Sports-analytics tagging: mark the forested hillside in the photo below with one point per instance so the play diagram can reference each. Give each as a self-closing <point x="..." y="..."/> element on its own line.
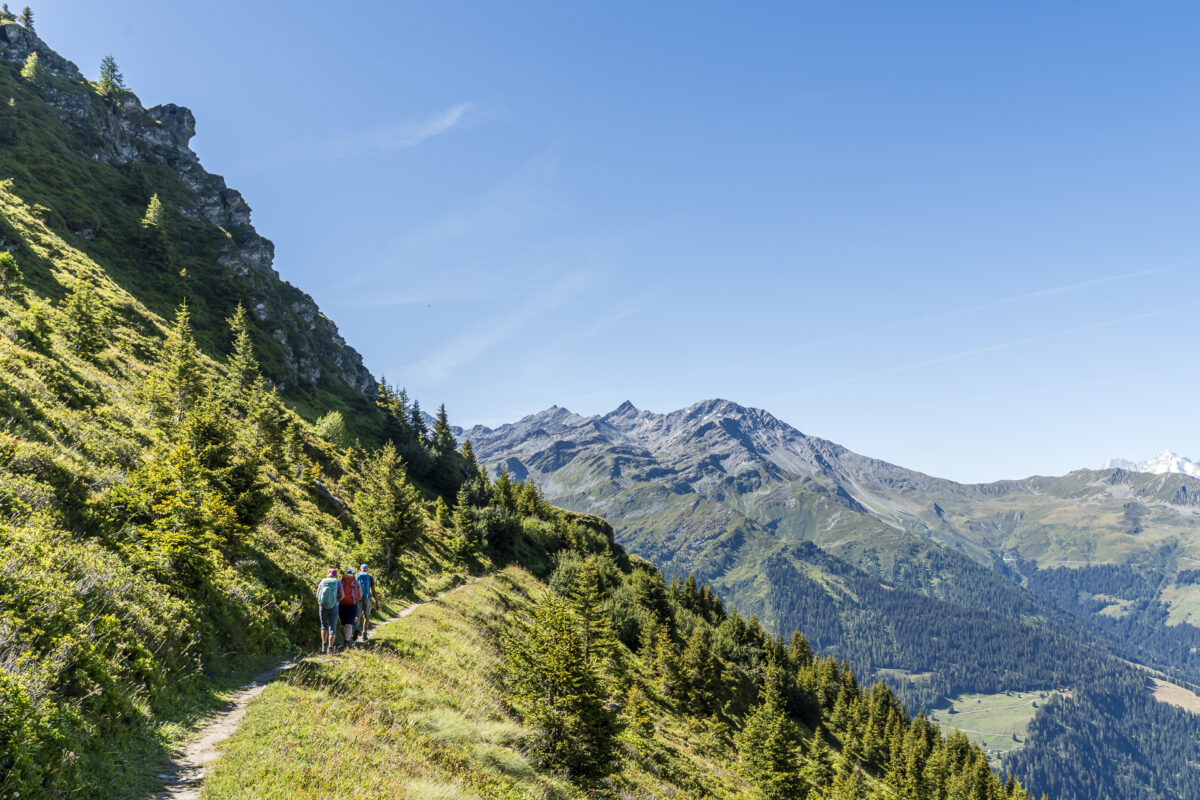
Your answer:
<point x="918" y="581"/>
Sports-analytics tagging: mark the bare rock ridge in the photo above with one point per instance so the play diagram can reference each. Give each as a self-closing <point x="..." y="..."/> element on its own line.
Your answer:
<point x="123" y="133"/>
<point x="729" y="458"/>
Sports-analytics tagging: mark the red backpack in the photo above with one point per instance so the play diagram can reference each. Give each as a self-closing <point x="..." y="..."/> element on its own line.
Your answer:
<point x="350" y="594"/>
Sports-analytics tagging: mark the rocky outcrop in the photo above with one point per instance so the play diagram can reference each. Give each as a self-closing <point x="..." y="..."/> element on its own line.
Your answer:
<point x="120" y="131"/>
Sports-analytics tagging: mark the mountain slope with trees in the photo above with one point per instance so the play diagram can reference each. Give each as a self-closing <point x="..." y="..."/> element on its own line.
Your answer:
<point x="939" y="588"/>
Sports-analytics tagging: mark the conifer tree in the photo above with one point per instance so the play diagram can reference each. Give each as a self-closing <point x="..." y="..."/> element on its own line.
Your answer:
<point x="443" y="438"/>
<point x="11" y="278"/>
<point x="557" y="692"/>
<point x="818" y="766"/>
<point x="394" y="406"/>
<point x="767" y="747"/>
<point x="638" y="716"/>
<point x="111" y="80"/>
<point x="799" y="651"/>
<point x="31" y="70"/>
<point x="332" y="428"/>
<point x="666" y="663"/>
<point x="177" y="383"/>
<point x="587" y="596"/>
<point x="417" y="422"/>
<point x="27" y="18"/>
<point x="650" y="594"/>
<point x="468" y="454"/>
<point x="441" y="513"/>
<point x="155" y="244"/>
<point x="243" y="367"/>
<point x="388" y="506"/>
<point x="504" y="492"/>
<point x="701" y="671"/>
<point x="85" y="318"/>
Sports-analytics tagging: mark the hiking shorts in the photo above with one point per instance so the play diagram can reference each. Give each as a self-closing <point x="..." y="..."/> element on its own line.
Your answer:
<point x="329" y="618"/>
<point x="364" y="607"/>
<point x="348" y="613"/>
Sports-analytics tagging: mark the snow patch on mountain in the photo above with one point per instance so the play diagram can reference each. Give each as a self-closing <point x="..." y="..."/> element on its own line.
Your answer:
<point x="1163" y="462"/>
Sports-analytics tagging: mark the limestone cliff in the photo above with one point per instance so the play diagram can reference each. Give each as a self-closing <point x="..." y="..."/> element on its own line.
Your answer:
<point x="118" y="133"/>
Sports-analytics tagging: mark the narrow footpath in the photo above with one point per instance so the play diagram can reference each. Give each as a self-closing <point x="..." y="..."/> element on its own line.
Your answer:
<point x="184" y="774"/>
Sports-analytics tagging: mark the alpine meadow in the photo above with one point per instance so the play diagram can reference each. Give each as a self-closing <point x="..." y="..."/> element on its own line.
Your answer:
<point x="237" y="563"/>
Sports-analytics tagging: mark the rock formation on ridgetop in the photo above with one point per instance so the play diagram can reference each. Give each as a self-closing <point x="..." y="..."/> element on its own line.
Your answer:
<point x="117" y="130"/>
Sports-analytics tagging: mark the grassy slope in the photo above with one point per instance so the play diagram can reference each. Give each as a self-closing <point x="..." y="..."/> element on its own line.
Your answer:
<point x="72" y="427"/>
<point x="419" y="715"/>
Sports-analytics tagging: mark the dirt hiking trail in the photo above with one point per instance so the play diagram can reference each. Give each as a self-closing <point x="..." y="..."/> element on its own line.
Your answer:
<point x="183" y="775"/>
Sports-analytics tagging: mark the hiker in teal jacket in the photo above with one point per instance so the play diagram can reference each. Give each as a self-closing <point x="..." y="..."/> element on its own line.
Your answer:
<point x="329" y="596"/>
<point x="366" y="588"/>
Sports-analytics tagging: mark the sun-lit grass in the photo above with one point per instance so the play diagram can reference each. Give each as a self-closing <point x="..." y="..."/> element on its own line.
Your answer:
<point x="998" y="723"/>
<point x="418" y="714"/>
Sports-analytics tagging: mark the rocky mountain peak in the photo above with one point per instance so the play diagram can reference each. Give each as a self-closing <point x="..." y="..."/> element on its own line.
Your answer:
<point x="116" y="131"/>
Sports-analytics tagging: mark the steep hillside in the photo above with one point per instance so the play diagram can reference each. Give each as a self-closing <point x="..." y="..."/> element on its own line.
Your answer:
<point x="676" y="699"/>
<point x="89" y="160"/>
<point x="164" y="509"/>
<point x="941" y="589"/>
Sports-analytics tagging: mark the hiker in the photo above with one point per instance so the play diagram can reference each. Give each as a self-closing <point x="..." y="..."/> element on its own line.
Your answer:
<point x="348" y="606"/>
<point x="366" y="589"/>
<point x="329" y="596"/>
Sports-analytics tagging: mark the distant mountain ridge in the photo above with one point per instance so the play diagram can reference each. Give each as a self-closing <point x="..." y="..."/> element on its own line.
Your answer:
<point x="808" y="487"/>
<point x="937" y="587"/>
<point x="1163" y="462"/>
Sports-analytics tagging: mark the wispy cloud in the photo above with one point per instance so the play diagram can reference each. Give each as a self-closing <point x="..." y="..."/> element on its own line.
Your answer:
<point x="441" y="362"/>
<point x="1039" y="294"/>
<point x="529" y="194"/>
<point x="1001" y="346"/>
<point x="399" y="137"/>
<point x="378" y="142"/>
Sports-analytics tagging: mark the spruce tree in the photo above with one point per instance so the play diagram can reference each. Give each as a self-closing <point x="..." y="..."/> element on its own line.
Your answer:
<point x="332" y="428"/>
<point x="388" y="507"/>
<point x="27" y="18"/>
<point x="504" y="492"/>
<point x="243" y="367"/>
<point x="556" y="691"/>
<point x="155" y="245"/>
<point x="111" y="80"/>
<point x="666" y="663"/>
<point x="441" y="513"/>
<point x="768" y="747"/>
<point x="177" y="383"/>
<point x="85" y="315"/>
<point x="818" y="767"/>
<point x="468" y="454"/>
<point x="701" y="671"/>
<point x="587" y="597"/>
<point x="417" y="423"/>
<point x="638" y="716"/>
<point x="11" y="278"/>
<point x="31" y="70"/>
<point x="443" y="438"/>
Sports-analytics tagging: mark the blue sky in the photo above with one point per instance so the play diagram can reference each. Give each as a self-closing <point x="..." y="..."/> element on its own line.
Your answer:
<point x="959" y="237"/>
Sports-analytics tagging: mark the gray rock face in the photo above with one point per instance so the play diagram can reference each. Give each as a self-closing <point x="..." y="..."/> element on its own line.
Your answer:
<point x="179" y="122"/>
<point x="121" y="131"/>
<point x="749" y="463"/>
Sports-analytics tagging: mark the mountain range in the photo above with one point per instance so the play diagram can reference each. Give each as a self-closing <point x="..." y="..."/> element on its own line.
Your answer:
<point x="939" y="588"/>
<point x="1163" y="462"/>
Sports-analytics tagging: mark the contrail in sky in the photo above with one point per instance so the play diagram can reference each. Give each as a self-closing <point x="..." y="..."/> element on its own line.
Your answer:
<point x="1002" y="346"/>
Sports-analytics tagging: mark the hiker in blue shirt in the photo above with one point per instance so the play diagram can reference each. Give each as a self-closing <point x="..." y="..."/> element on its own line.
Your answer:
<point x="366" y="589"/>
<point x="329" y="595"/>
